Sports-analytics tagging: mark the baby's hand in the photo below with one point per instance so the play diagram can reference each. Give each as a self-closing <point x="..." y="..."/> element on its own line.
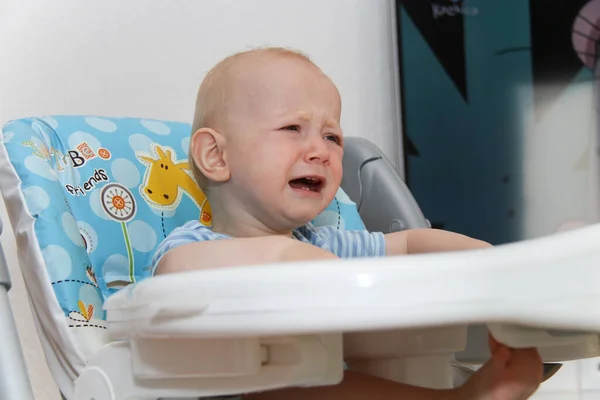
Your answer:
<point x="511" y="374"/>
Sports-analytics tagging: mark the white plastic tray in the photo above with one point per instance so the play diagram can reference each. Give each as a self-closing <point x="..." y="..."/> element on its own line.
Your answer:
<point x="549" y="283"/>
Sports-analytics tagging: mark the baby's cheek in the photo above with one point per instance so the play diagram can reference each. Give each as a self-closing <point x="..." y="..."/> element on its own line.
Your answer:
<point x="336" y="167"/>
<point x="278" y="161"/>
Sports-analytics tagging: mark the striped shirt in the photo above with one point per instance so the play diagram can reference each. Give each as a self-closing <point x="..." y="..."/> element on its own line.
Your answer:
<point x="344" y="244"/>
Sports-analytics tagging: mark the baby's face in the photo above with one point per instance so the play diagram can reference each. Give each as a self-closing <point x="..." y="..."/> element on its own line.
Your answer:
<point x="285" y="144"/>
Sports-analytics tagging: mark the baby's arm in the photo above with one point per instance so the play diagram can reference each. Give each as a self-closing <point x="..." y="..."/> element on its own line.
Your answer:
<point x="508" y="375"/>
<point x="415" y="241"/>
<point x="274" y="249"/>
<point x="356" y="386"/>
<point x="235" y="252"/>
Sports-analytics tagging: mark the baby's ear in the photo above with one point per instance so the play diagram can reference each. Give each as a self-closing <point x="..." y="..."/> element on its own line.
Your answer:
<point x="207" y="147"/>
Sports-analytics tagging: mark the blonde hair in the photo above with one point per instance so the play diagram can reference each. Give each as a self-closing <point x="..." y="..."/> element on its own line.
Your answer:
<point x="213" y="93"/>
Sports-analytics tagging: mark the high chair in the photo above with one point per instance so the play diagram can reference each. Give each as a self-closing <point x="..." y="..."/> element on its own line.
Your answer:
<point x="90" y="198"/>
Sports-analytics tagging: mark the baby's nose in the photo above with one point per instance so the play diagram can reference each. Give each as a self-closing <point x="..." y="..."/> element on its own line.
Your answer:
<point x="318" y="151"/>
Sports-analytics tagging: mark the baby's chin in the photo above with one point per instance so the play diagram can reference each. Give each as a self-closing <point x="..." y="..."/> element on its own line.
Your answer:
<point x="302" y="211"/>
<point x="302" y="218"/>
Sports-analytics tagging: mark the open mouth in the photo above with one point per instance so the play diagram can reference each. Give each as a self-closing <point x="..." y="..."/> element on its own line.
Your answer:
<point x="309" y="183"/>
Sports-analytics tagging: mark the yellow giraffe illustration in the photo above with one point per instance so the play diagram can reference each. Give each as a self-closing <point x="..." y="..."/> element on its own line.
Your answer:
<point x="165" y="181"/>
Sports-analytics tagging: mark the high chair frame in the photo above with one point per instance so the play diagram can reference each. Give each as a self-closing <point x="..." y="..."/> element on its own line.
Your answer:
<point x="14" y="379"/>
<point x="228" y="336"/>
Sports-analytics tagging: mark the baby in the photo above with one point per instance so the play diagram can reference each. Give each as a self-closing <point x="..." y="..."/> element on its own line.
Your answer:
<point x="267" y="150"/>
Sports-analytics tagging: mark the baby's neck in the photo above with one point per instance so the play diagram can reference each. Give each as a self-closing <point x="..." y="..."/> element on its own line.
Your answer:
<point x="239" y="223"/>
<point x="234" y="218"/>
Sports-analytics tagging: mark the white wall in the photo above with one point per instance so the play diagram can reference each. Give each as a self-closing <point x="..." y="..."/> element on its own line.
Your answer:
<point x="560" y="171"/>
<point x="145" y="58"/>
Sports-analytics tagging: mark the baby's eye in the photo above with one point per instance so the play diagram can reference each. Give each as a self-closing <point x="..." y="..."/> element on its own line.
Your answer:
<point x="333" y="138"/>
<point x="295" y="128"/>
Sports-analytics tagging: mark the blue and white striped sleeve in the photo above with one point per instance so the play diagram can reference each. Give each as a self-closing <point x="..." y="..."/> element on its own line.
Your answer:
<point x="192" y="232"/>
<point x="346" y="244"/>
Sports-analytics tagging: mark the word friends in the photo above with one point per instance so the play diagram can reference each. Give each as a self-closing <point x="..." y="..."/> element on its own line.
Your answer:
<point x="81" y="190"/>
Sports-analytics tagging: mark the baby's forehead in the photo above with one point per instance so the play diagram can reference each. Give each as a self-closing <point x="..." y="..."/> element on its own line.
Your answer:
<point x="278" y="77"/>
<point x="257" y="79"/>
<point x="265" y="68"/>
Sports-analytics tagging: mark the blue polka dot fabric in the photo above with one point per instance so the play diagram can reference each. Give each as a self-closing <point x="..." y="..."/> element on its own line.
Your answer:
<point x="104" y="192"/>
